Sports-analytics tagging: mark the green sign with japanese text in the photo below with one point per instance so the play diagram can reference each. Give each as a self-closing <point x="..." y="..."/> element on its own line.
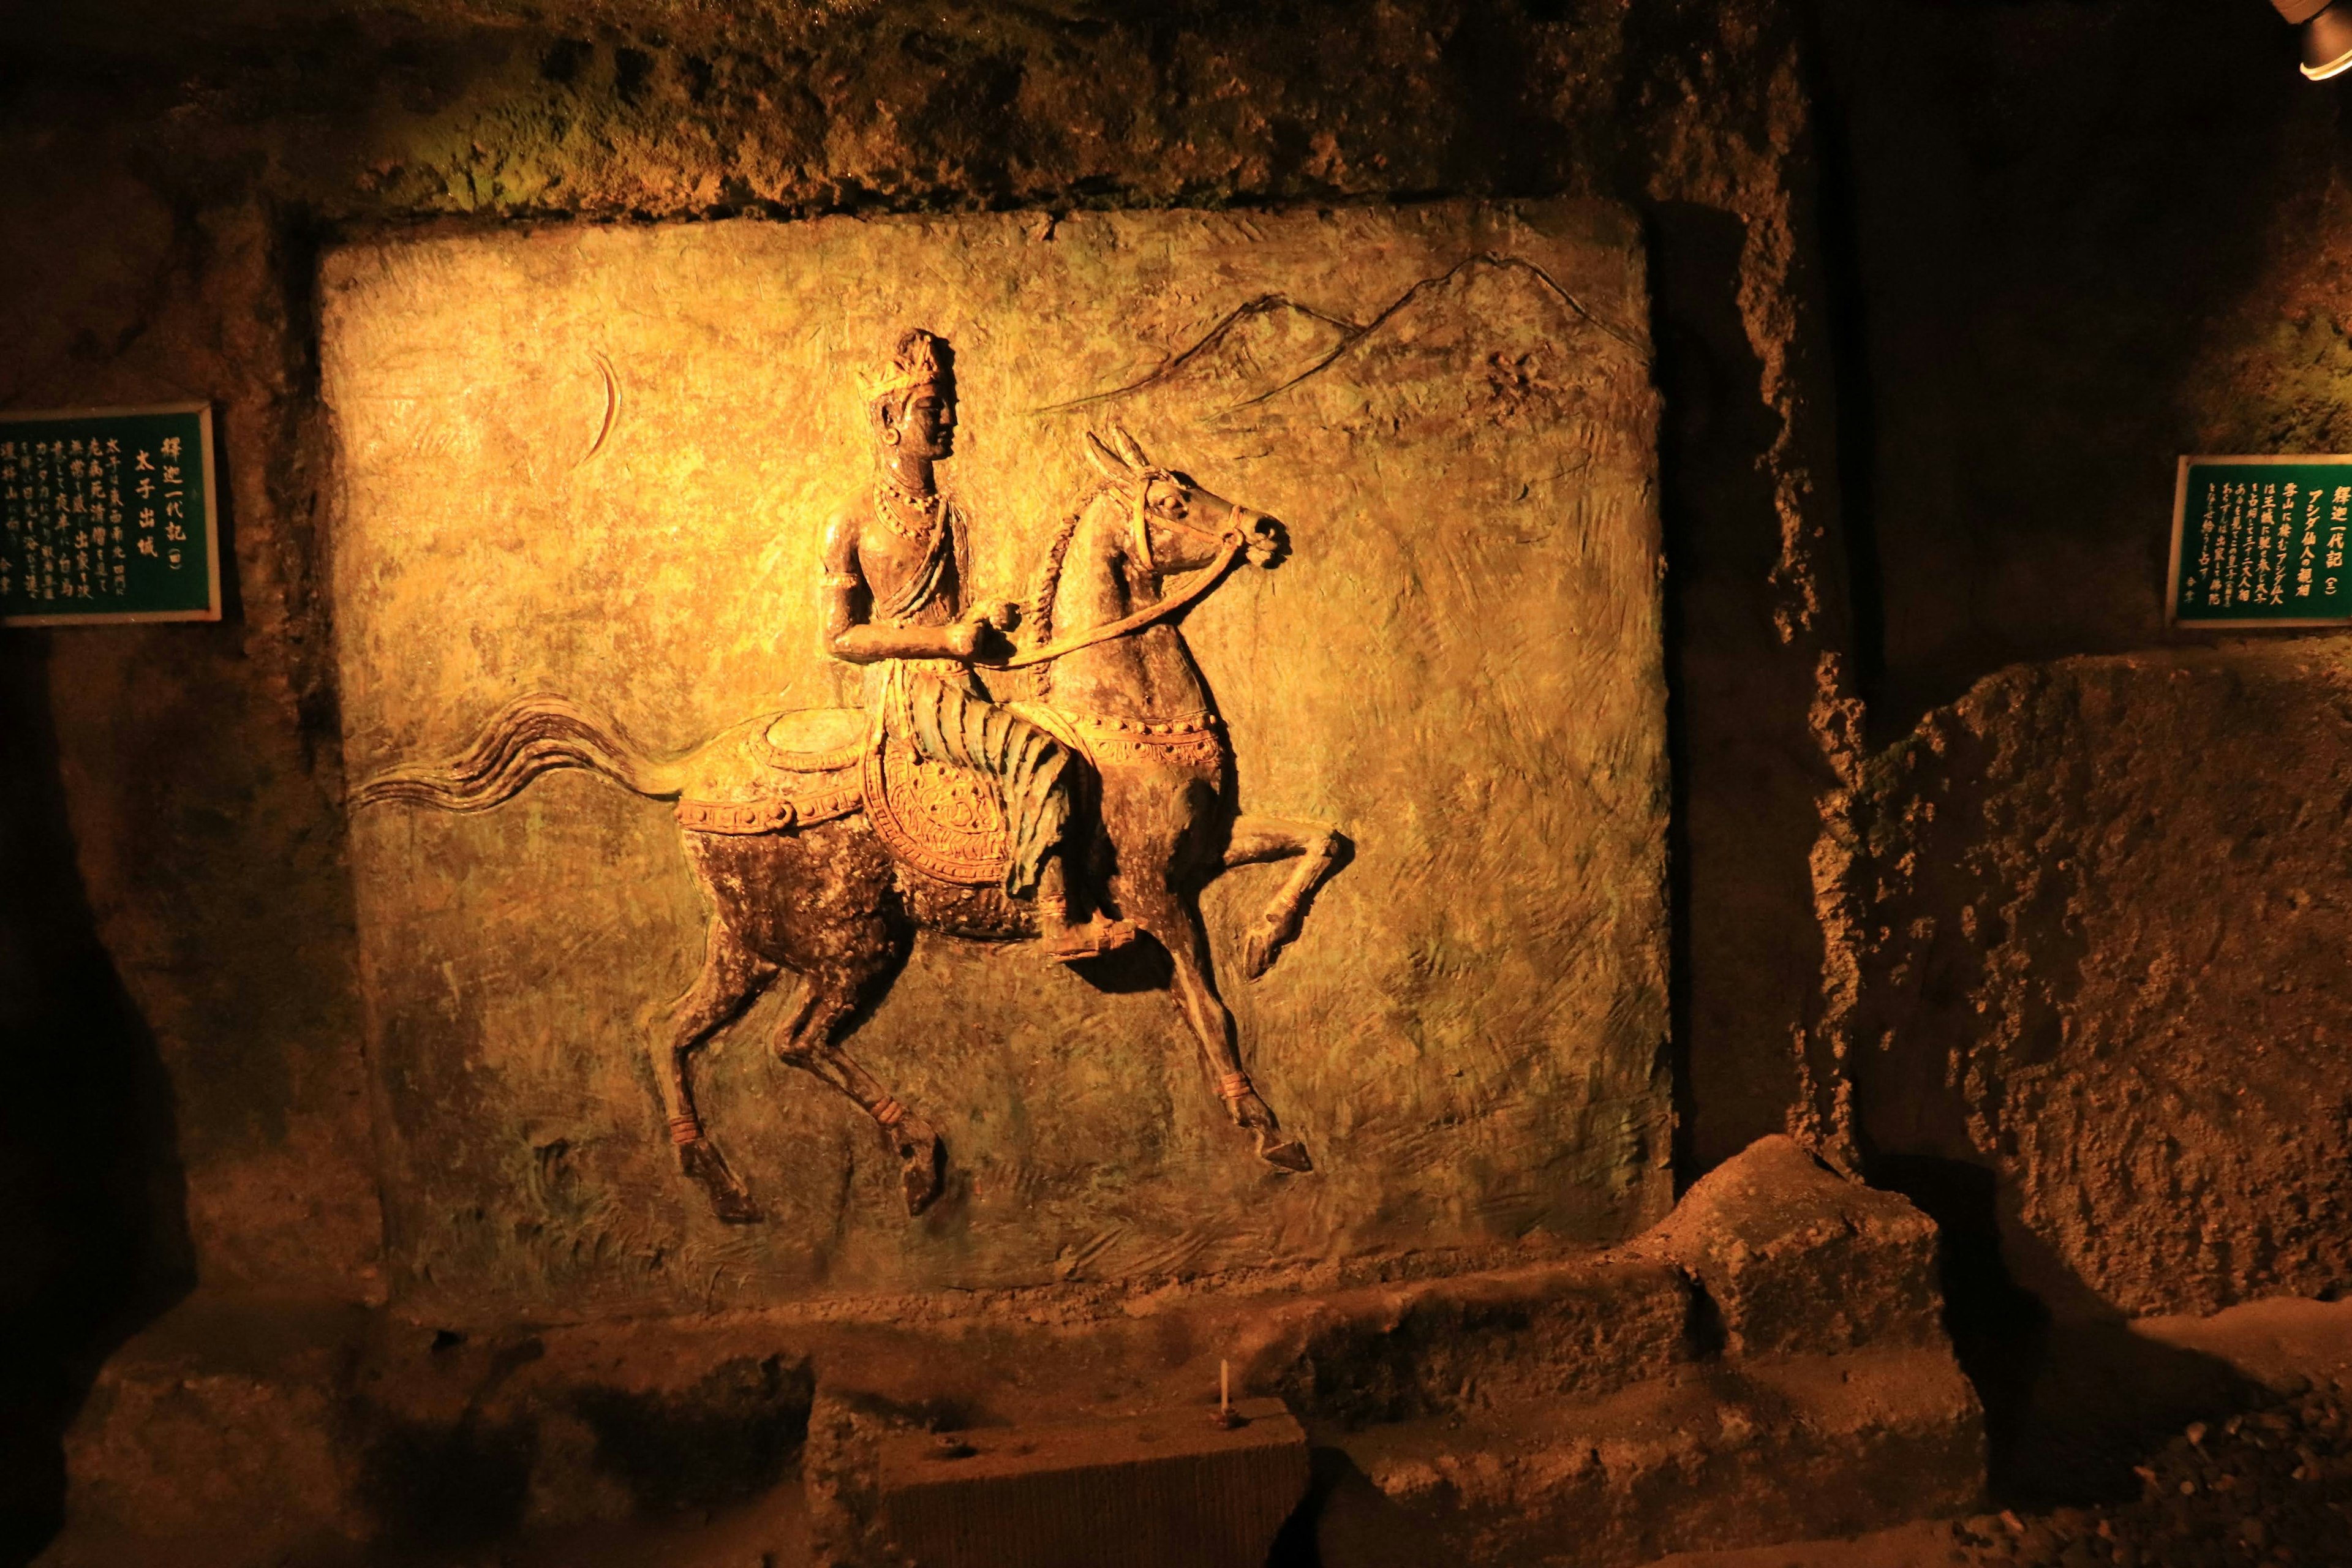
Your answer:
<point x="2260" y="541"/>
<point x="109" y="514"/>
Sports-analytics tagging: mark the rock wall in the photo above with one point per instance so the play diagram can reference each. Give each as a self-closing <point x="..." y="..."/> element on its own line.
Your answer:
<point x="2035" y="250"/>
<point x="2109" y="961"/>
<point x="184" y="931"/>
<point x="2085" y="240"/>
<point x="2084" y="907"/>
<point x="204" y="167"/>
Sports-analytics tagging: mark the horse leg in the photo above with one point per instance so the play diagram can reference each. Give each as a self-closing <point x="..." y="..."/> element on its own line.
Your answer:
<point x="1319" y="849"/>
<point x="731" y="976"/>
<point x="806" y="1041"/>
<point x="1176" y="928"/>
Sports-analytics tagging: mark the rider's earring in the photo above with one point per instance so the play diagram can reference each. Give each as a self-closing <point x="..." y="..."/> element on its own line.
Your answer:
<point x="890" y="436"/>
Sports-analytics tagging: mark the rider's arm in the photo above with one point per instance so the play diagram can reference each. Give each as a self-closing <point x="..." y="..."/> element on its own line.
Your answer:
<point x="848" y="634"/>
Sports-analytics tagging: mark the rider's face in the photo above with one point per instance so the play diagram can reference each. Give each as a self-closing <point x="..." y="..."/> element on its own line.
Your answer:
<point x="929" y="429"/>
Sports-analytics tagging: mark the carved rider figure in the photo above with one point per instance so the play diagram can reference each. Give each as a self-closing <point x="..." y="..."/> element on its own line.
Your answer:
<point x="896" y="564"/>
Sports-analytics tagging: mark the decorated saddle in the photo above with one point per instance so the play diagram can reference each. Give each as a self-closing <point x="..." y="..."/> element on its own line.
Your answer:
<point x="777" y="772"/>
<point x="783" y="771"/>
<point x="960" y="791"/>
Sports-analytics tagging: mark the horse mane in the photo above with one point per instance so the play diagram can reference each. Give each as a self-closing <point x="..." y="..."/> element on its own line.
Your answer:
<point x="1049" y="575"/>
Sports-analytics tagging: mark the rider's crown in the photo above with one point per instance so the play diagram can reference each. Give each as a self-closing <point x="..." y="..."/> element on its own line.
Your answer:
<point x="920" y="358"/>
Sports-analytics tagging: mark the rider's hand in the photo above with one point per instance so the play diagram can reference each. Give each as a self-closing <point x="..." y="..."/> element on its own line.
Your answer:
<point x="1004" y="614"/>
<point x="963" y="637"/>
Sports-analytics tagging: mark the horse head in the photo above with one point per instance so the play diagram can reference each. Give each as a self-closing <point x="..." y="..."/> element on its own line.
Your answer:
<point x="1178" y="523"/>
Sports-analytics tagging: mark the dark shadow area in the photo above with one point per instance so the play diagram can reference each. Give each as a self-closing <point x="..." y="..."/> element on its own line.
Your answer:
<point x="1845" y="314"/>
<point x="2000" y="1329"/>
<point x="1681" y="371"/>
<point x="1294" y="1544"/>
<point x="2071" y="1404"/>
<point x="434" y="1487"/>
<point x="2048" y="241"/>
<point x="2102" y="1401"/>
<point x="93" y="1201"/>
<point x="1744" y="943"/>
<point x="1347" y="1518"/>
<point x="727" y="1440"/>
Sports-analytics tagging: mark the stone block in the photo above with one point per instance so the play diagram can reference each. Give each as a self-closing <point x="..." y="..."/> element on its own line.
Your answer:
<point x="240" y="1432"/>
<point x="1802" y="1446"/>
<point x="221" y="1423"/>
<point x="1174" y="1488"/>
<point x="1494" y="1408"/>
<point x="1577" y="1328"/>
<point x="1796" y="1261"/>
<point x="2103" y="958"/>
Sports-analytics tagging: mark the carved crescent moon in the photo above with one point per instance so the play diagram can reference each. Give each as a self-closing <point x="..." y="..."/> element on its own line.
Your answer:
<point x="612" y="405"/>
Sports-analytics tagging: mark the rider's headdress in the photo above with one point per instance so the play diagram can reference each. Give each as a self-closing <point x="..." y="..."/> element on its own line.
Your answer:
<point x="918" y="359"/>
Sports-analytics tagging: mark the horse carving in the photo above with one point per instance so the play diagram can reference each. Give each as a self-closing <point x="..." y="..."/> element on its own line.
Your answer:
<point x="823" y="844"/>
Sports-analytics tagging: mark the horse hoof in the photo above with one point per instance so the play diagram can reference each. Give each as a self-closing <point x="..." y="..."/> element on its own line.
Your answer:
<point x="729" y="1197"/>
<point x="1257" y="956"/>
<point x="1261" y="948"/>
<point x="736" y="1208"/>
<point x="919" y="1177"/>
<point x="1289" y="1154"/>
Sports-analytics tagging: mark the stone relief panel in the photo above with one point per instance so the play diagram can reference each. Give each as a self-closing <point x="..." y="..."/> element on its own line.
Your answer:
<point x="988" y="752"/>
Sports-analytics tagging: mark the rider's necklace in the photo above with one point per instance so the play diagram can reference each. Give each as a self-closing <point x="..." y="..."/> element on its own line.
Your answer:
<point x="887" y="489"/>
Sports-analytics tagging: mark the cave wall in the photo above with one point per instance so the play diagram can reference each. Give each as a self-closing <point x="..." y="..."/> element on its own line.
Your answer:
<point x="2086" y="882"/>
<point x="178" y="184"/>
<point x="2109" y="889"/>
<point x="1970" y="859"/>
<point x="2064" y="242"/>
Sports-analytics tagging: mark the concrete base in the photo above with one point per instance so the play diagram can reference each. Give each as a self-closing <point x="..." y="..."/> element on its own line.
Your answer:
<point x="1766" y="1365"/>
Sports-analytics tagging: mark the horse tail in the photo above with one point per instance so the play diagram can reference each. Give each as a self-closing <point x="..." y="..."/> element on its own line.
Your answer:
<point x="529" y="736"/>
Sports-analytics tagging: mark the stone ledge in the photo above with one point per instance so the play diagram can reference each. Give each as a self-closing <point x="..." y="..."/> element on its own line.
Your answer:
<point x="319" y="1429"/>
<point x="1716" y="1457"/>
<point x="1575" y="1329"/>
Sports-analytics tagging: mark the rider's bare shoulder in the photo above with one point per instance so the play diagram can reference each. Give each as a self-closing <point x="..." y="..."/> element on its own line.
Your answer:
<point x="841" y="537"/>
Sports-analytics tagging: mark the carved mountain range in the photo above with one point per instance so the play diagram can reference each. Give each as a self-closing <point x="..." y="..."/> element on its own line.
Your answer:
<point x="1264" y="347"/>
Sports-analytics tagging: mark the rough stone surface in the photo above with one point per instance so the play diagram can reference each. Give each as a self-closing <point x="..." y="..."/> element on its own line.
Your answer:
<point x="1174" y="1488"/>
<point x="2009" y="476"/>
<point x="1795" y="1260"/>
<point x="1443" y="1404"/>
<point x="2107" y="965"/>
<point x="1392" y="1353"/>
<point x="2260" y="1471"/>
<point x="173" y="172"/>
<point x="241" y="1432"/>
<point x="1807" y="1446"/>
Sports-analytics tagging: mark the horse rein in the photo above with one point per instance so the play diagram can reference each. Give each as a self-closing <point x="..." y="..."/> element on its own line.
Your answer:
<point x="1231" y="543"/>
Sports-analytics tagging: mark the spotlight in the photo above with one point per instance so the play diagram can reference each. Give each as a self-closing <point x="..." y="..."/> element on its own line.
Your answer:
<point x="2326" y="34"/>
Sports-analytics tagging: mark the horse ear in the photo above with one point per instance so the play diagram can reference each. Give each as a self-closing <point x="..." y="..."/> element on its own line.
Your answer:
<point x="1112" y="465"/>
<point x="1130" y="449"/>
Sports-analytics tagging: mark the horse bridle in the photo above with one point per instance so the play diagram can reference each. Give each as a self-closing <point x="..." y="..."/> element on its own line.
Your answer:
<point x="1231" y="543"/>
<point x="1230" y="535"/>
